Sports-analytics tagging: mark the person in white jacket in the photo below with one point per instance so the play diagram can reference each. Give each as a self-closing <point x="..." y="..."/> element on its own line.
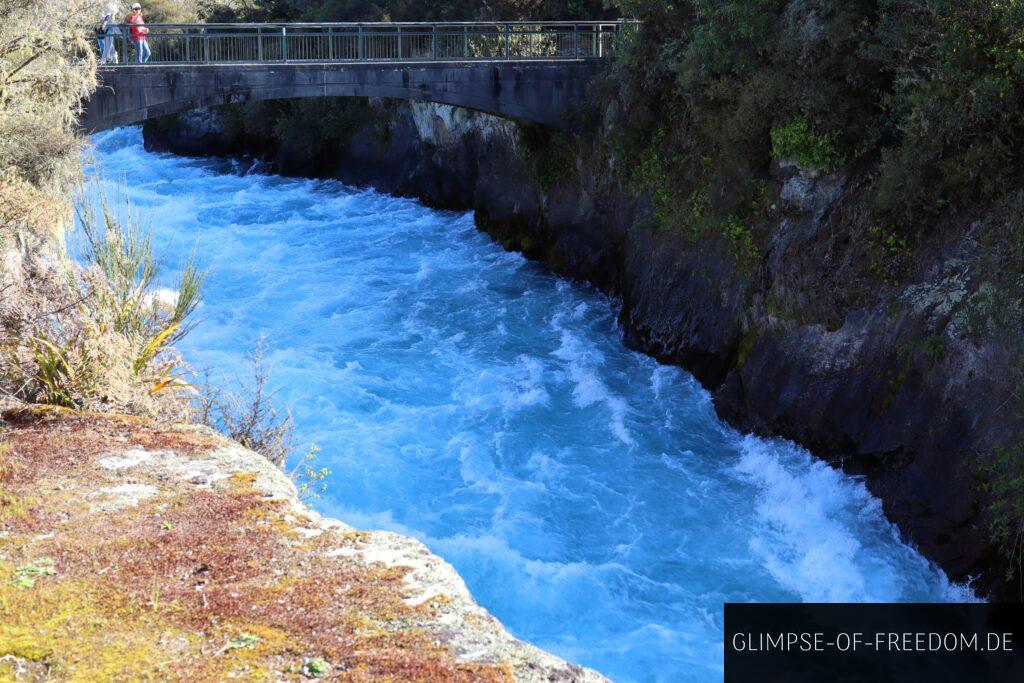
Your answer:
<point x="110" y="32"/>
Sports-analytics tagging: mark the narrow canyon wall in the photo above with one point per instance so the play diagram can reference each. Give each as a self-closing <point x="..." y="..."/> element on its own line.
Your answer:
<point x="899" y="383"/>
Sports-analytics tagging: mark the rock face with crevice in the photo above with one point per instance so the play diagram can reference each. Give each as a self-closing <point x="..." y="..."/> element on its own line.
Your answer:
<point x="136" y="551"/>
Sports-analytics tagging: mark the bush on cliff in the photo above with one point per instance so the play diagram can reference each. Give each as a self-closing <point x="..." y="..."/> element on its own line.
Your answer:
<point x="47" y="65"/>
<point x="100" y="335"/>
<point x="246" y="409"/>
<point x="97" y="334"/>
<point x="1003" y="481"/>
<point x="927" y="93"/>
<point x="919" y="104"/>
<point x="92" y="336"/>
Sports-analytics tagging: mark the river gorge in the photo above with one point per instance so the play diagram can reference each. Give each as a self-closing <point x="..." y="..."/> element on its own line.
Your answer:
<point x="591" y="498"/>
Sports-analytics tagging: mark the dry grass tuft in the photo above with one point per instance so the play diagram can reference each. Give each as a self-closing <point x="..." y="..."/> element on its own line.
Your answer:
<point x="245" y="409"/>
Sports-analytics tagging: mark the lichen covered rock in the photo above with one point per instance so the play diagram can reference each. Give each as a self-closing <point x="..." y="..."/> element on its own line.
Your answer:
<point x="135" y="551"/>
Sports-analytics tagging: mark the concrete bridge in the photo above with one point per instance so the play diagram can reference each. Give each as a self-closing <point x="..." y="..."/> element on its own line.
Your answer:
<point x="534" y="72"/>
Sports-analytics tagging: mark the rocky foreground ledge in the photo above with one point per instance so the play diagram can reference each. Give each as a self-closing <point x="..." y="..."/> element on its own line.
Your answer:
<point x="135" y="551"/>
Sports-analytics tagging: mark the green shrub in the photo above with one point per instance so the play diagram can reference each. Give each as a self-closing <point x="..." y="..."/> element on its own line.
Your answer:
<point x="549" y="154"/>
<point x="953" y="110"/>
<point x="651" y="173"/>
<point x="1003" y="486"/>
<point x="887" y="252"/>
<point x="100" y="335"/>
<point x="928" y="92"/>
<point x="934" y="348"/>
<point x="798" y="142"/>
<point x="741" y="242"/>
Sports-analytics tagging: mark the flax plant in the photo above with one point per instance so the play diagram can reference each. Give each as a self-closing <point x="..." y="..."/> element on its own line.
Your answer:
<point x="119" y="292"/>
<point x="97" y="334"/>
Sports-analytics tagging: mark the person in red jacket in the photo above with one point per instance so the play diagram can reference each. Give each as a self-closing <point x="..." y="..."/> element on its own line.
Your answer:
<point x="139" y="31"/>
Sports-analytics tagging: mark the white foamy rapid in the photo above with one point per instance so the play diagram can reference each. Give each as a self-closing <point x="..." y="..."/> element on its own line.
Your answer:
<point x="589" y="497"/>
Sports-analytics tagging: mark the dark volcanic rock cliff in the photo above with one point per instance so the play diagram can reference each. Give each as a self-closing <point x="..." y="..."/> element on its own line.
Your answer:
<point x="897" y="377"/>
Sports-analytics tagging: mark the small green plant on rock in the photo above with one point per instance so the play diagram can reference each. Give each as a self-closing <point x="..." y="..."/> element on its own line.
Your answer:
<point x="310" y="480"/>
<point x="887" y="251"/>
<point x="799" y="142"/>
<point x="651" y="173"/>
<point x="934" y="348"/>
<point x="25" y="575"/>
<point x="316" y="668"/>
<point x="741" y="242"/>
<point x="1003" y="486"/>
<point x="244" y="640"/>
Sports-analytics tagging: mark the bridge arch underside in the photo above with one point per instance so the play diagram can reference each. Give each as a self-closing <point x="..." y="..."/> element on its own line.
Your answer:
<point x="548" y="93"/>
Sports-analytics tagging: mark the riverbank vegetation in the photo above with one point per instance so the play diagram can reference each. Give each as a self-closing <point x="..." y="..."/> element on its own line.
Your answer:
<point x="922" y="95"/>
<point x="131" y="550"/>
<point x="1003" y="479"/>
<point x="96" y="332"/>
<point x="100" y="335"/>
<point x="46" y="68"/>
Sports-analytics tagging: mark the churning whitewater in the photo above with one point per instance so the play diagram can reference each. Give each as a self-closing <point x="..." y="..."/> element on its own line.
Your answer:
<point x="590" y="497"/>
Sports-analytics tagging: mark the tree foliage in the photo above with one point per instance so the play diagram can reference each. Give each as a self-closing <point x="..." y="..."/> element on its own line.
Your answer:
<point x="47" y="67"/>
<point x="415" y="10"/>
<point x="929" y="91"/>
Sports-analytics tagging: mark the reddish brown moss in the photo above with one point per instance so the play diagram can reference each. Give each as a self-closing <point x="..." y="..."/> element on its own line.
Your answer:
<point x="174" y="580"/>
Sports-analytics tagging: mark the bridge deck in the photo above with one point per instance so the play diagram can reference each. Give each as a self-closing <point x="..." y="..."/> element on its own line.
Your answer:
<point x="372" y="42"/>
<point x="530" y="71"/>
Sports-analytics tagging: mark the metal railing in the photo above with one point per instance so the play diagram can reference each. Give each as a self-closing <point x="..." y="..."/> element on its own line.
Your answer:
<point x="359" y="42"/>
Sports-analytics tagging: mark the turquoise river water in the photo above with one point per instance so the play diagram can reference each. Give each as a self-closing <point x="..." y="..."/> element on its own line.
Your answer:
<point x="590" y="497"/>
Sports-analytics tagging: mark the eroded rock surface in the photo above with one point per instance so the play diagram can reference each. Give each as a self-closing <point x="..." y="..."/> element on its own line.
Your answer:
<point x="133" y="551"/>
